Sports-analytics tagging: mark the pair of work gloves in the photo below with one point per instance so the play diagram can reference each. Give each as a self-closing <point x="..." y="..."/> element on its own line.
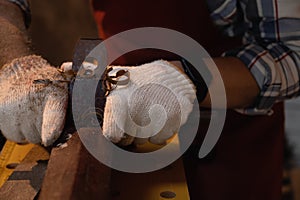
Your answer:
<point x="151" y="104"/>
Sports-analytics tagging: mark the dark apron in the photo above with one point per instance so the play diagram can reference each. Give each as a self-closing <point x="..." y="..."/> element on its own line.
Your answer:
<point x="247" y="161"/>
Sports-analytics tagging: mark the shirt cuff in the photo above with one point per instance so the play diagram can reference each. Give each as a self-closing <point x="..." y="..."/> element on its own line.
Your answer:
<point x="276" y="70"/>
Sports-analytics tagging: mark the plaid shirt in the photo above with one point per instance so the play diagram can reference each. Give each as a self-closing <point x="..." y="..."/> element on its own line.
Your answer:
<point x="271" y="51"/>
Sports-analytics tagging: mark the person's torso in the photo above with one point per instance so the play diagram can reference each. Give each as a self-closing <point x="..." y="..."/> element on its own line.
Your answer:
<point x="191" y="18"/>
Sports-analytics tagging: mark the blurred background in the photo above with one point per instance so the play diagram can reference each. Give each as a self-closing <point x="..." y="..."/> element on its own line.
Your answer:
<point x="57" y="25"/>
<point x="292" y="155"/>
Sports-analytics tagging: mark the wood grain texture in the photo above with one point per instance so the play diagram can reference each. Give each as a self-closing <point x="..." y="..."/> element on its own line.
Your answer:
<point x="73" y="173"/>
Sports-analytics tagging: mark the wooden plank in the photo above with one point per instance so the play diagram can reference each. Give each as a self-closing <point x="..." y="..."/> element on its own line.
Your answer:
<point x="73" y="173"/>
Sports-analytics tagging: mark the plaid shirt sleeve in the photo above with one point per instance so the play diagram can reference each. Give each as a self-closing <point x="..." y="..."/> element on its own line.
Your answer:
<point x="276" y="70"/>
<point x="228" y="16"/>
<point x="271" y="48"/>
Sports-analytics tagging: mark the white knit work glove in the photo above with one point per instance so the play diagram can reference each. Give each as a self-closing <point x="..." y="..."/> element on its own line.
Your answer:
<point x="151" y="102"/>
<point x="33" y="101"/>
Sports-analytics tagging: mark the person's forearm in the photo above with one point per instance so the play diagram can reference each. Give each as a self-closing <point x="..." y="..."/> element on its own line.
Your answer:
<point x="241" y="87"/>
<point x="13" y="36"/>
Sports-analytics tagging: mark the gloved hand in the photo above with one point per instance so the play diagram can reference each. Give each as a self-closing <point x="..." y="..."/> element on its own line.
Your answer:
<point x="33" y="100"/>
<point x="150" y="102"/>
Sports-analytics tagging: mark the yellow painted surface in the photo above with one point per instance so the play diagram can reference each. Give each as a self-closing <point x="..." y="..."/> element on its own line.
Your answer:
<point x="168" y="183"/>
<point x="11" y="155"/>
